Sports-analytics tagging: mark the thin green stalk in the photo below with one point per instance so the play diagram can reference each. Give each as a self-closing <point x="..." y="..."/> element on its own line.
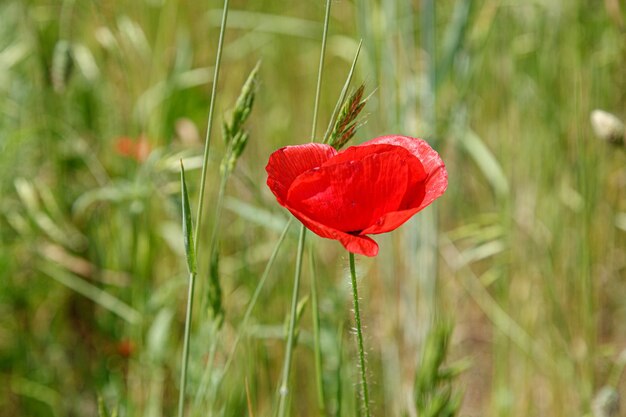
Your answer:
<point x="255" y="296"/>
<point x="214" y="285"/>
<point x="425" y="232"/>
<point x="65" y="20"/>
<point x="320" y="70"/>
<point x="206" y="377"/>
<point x="338" y="379"/>
<point x="359" y="335"/>
<point x="183" y="372"/>
<point x="205" y="162"/>
<point x="284" y="387"/>
<point x="207" y="140"/>
<point x="218" y="213"/>
<point x="216" y="291"/>
<point x="191" y="265"/>
<point x="92" y="292"/>
<point x="316" y="338"/>
<point x="342" y="95"/>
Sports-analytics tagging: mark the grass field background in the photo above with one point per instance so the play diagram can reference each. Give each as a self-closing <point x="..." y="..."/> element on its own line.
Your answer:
<point x="525" y="253"/>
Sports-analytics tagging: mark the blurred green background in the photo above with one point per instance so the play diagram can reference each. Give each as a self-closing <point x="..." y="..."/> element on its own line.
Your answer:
<point x="100" y="99"/>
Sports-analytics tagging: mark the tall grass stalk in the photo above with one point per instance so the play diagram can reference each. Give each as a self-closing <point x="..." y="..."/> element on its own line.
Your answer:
<point x="242" y="330"/>
<point x="283" y="391"/>
<point x="342" y="95"/>
<point x="214" y="285"/>
<point x="186" y="339"/>
<point x="426" y="259"/>
<point x="320" y="71"/>
<point x="257" y="293"/>
<point x="284" y="387"/>
<point x="359" y="336"/>
<point x="236" y="138"/>
<point x="207" y="141"/>
<point x="205" y="162"/>
<point x="319" y="380"/>
<point x="191" y="265"/>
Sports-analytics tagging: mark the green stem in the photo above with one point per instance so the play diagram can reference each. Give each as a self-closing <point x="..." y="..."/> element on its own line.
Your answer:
<point x="207" y="141"/>
<point x="205" y="162"/>
<point x="320" y="70"/>
<point x="338" y="372"/>
<point x="359" y="335"/>
<point x="316" y="338"/>
<point x="215" y="291"/>
<point x="257" y="292"/>
<point x="284" y="387"/>
<point x="185" y="359"/>
<point x="218" y="213"/>
<point x="342" y="95"/>
<point x="65" y="20"/>
<point x="425" y="261"/>
<point x="202" y="392"/>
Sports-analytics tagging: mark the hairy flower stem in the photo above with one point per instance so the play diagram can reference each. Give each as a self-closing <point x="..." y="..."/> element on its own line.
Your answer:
<point x="205" y="162"/>
<point x="284" y="387"/>
<point x="359" y="336"/>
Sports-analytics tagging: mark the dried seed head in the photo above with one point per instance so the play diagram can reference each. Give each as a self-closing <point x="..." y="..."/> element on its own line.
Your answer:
<point x="607" y="126"/>
<point x="243" y="106"/>
<point x="347" y="124"/>
<point x="235" y="136"/>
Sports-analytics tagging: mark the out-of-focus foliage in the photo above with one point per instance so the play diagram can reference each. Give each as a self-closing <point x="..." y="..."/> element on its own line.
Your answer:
<point x="100" y="100"/>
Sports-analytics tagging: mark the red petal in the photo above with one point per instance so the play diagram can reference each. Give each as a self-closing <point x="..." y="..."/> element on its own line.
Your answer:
<point x="433" y="187"/>
<point x="362" y="245"/>
<point x="352" y="195"/>
<point x="356" y="153"/>
<point x="436" y="174"/>
<point x="390" y="221"/>
<point x="287" y="163"/>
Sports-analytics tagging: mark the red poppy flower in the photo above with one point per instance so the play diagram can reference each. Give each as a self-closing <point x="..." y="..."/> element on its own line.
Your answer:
<point x="136" y="149"/>
<point x="367" y="189"/>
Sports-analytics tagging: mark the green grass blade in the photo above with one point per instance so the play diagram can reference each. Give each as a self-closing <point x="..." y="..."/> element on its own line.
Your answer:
<point x="486" y="161"/>
<point x="342" y="96"/>
<point x="207" y="145"/>
<point x="95" y="294"/>
<point x="454" y="37"/>
<point x="317" y="349"/>
<point x="187" y="223"/>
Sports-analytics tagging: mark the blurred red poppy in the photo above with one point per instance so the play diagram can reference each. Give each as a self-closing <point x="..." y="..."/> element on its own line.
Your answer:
<point x="136" y="149"/>
<point x="126" y="348"/>
<point x="367" y="189"/>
